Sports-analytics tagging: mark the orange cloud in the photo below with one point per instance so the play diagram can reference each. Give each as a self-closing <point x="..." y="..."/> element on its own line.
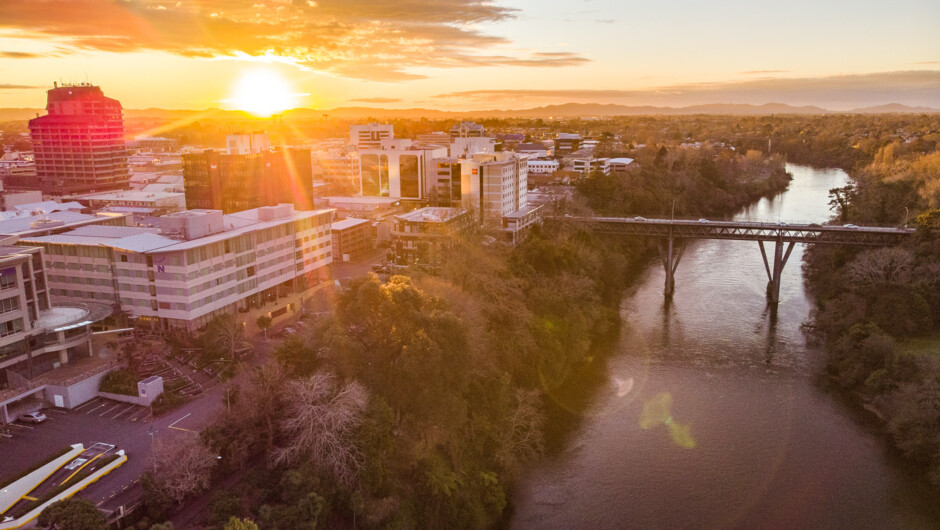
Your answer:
<point x="353" y="38"/>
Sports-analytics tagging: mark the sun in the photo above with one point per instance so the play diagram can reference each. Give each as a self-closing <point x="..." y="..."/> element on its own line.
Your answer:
<point x="262" y="92"/>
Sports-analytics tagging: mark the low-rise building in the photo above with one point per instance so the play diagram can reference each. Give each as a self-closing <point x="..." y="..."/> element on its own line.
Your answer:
<point x="35" y="335"/>
<point x="422" y="238"/>
<point x="41" y="222"/>
<point x="590" y="165"/>
<point x="620" y="165"/>
<point x="542" y="166"/>
<point x="200" y="265"/>
<point x="518" y="223"/>
<point x="159" y="202"/>
<point x="351" y="238"/>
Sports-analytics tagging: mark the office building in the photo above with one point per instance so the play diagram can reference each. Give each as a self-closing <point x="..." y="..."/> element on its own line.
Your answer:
<point x="79" y="144"/>
<point x="157" y="202"/>
<point x="246" y="144"/>
<point x="566" y="143"/>
<point x="423" y="237"/>
<point x="217" y="180"/>
<point x="351" y="238"/>
<point x="397" y="170"/>
<point x="200" y="265"/>
<point x="370" y="136"/>
<point x="467" y="129"/>
<point x="590" y="164"/>
<point x="35" y="335"/>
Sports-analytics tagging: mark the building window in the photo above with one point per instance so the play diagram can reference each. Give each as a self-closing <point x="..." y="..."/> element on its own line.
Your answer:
<point x="8" y="279"/>
<point x="9" y="304"/>
<point x="11" y="327"/>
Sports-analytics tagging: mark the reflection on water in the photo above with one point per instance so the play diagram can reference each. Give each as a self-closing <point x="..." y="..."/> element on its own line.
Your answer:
<point x="718" y="370"/>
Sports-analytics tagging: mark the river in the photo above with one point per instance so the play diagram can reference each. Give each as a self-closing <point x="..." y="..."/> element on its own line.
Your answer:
<point x="712" y="413"/>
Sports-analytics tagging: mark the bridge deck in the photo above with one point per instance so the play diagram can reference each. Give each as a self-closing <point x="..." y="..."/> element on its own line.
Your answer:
<point x="745" y="230"/>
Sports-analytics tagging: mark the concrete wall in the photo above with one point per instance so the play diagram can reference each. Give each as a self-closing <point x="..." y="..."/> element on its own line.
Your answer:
<point x="124" y="398"/>
<point x="74" y="395"/>
<point x="15" y="490"/>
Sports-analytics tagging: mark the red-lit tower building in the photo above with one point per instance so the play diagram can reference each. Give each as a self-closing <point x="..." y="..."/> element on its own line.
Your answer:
<point x="79" y="145"/>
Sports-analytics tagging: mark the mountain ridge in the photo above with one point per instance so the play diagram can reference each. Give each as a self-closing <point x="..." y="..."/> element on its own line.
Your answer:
<point x="566" y="110"/>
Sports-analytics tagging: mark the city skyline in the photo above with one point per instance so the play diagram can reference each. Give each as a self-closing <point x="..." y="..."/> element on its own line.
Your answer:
<point x="454" y="55"/>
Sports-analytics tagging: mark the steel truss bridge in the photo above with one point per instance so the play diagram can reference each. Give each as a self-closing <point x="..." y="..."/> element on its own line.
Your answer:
<point x="672" y="234"/>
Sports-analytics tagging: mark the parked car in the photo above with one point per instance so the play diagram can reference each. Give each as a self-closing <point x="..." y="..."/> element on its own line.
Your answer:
<point x="289" y="331"/>
<point x="33" y="417"/>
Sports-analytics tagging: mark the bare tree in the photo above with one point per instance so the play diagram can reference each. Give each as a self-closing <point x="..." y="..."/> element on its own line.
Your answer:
<point x="183" y="467"/>
<point x="523" y="440"/>
<point x="320" y="423"/>
<point x="883" y="266"/>
<point x="227" y="336"/>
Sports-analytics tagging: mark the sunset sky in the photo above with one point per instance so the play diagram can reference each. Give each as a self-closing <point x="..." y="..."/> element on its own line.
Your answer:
<point x="452" y="54"/>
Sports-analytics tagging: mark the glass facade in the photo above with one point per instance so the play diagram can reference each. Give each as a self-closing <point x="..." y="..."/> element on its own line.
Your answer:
<point x="371" y="181"/>
<point x="410" y="177"/>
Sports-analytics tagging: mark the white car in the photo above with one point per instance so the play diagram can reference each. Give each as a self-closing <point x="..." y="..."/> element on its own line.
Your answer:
<point x="704" y="221"/>
<point x="33" y="417"/>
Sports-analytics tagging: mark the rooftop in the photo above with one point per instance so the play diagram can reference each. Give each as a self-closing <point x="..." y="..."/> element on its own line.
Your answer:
<point x="132" y="195"/>
<point x="348" y="223"/>
<point x="432" y="214"/>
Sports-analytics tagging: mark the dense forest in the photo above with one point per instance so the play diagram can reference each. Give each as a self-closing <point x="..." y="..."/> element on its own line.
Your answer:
<point x="879" y="310"/>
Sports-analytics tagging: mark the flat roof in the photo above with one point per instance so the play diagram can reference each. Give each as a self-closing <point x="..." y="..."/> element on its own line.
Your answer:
<point x="132" y="195"/>
<point x="433" y="214"/>
<point x="525" y="210"/>
<point x="621" y="160"/>
<point x="363" y="200"/>
<point x="348" y="223"/>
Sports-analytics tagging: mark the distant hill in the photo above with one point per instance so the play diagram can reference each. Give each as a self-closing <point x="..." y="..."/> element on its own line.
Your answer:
<point x="567" y="110"/>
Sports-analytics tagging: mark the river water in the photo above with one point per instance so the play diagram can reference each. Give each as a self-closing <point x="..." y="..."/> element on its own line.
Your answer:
<point x="712" y="414"/>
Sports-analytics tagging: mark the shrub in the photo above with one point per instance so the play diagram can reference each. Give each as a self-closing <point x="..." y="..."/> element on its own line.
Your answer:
<point x="119" y="382"/>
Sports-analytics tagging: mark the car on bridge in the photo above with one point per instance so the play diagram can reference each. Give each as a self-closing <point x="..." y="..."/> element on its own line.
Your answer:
<point x="704" y="221"/>
<point x="638" y="218"/>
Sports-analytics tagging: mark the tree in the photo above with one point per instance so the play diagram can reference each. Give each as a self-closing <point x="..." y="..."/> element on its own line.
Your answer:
<point x="226" y="336"/>
<point x="840" y="199"/>
<point x="236" y="523"/>
<point x="73" y="514"/>
<point x="320" y="425"/>
<point x="264" y="322"/>
<point x="183" y="467"/>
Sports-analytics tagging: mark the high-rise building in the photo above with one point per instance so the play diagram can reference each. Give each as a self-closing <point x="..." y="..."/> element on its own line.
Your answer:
<point x="230" y="182"/>
<point x="79" y="144"/>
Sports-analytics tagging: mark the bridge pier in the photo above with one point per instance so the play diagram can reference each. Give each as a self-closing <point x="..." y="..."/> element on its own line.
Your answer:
<point x="773" y="275"/>
<point x="670" y="254"/>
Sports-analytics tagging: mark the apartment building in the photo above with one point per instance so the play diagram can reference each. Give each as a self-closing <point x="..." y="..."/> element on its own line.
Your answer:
<point x="201" y="264"/>
<point x="157" y="202"/>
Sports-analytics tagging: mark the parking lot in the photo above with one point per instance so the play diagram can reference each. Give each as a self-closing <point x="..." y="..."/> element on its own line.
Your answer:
<point x="126" y="426"/>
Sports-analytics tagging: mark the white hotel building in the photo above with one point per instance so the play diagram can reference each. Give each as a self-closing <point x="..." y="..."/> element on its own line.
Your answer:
<point x="203" y="263"/>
